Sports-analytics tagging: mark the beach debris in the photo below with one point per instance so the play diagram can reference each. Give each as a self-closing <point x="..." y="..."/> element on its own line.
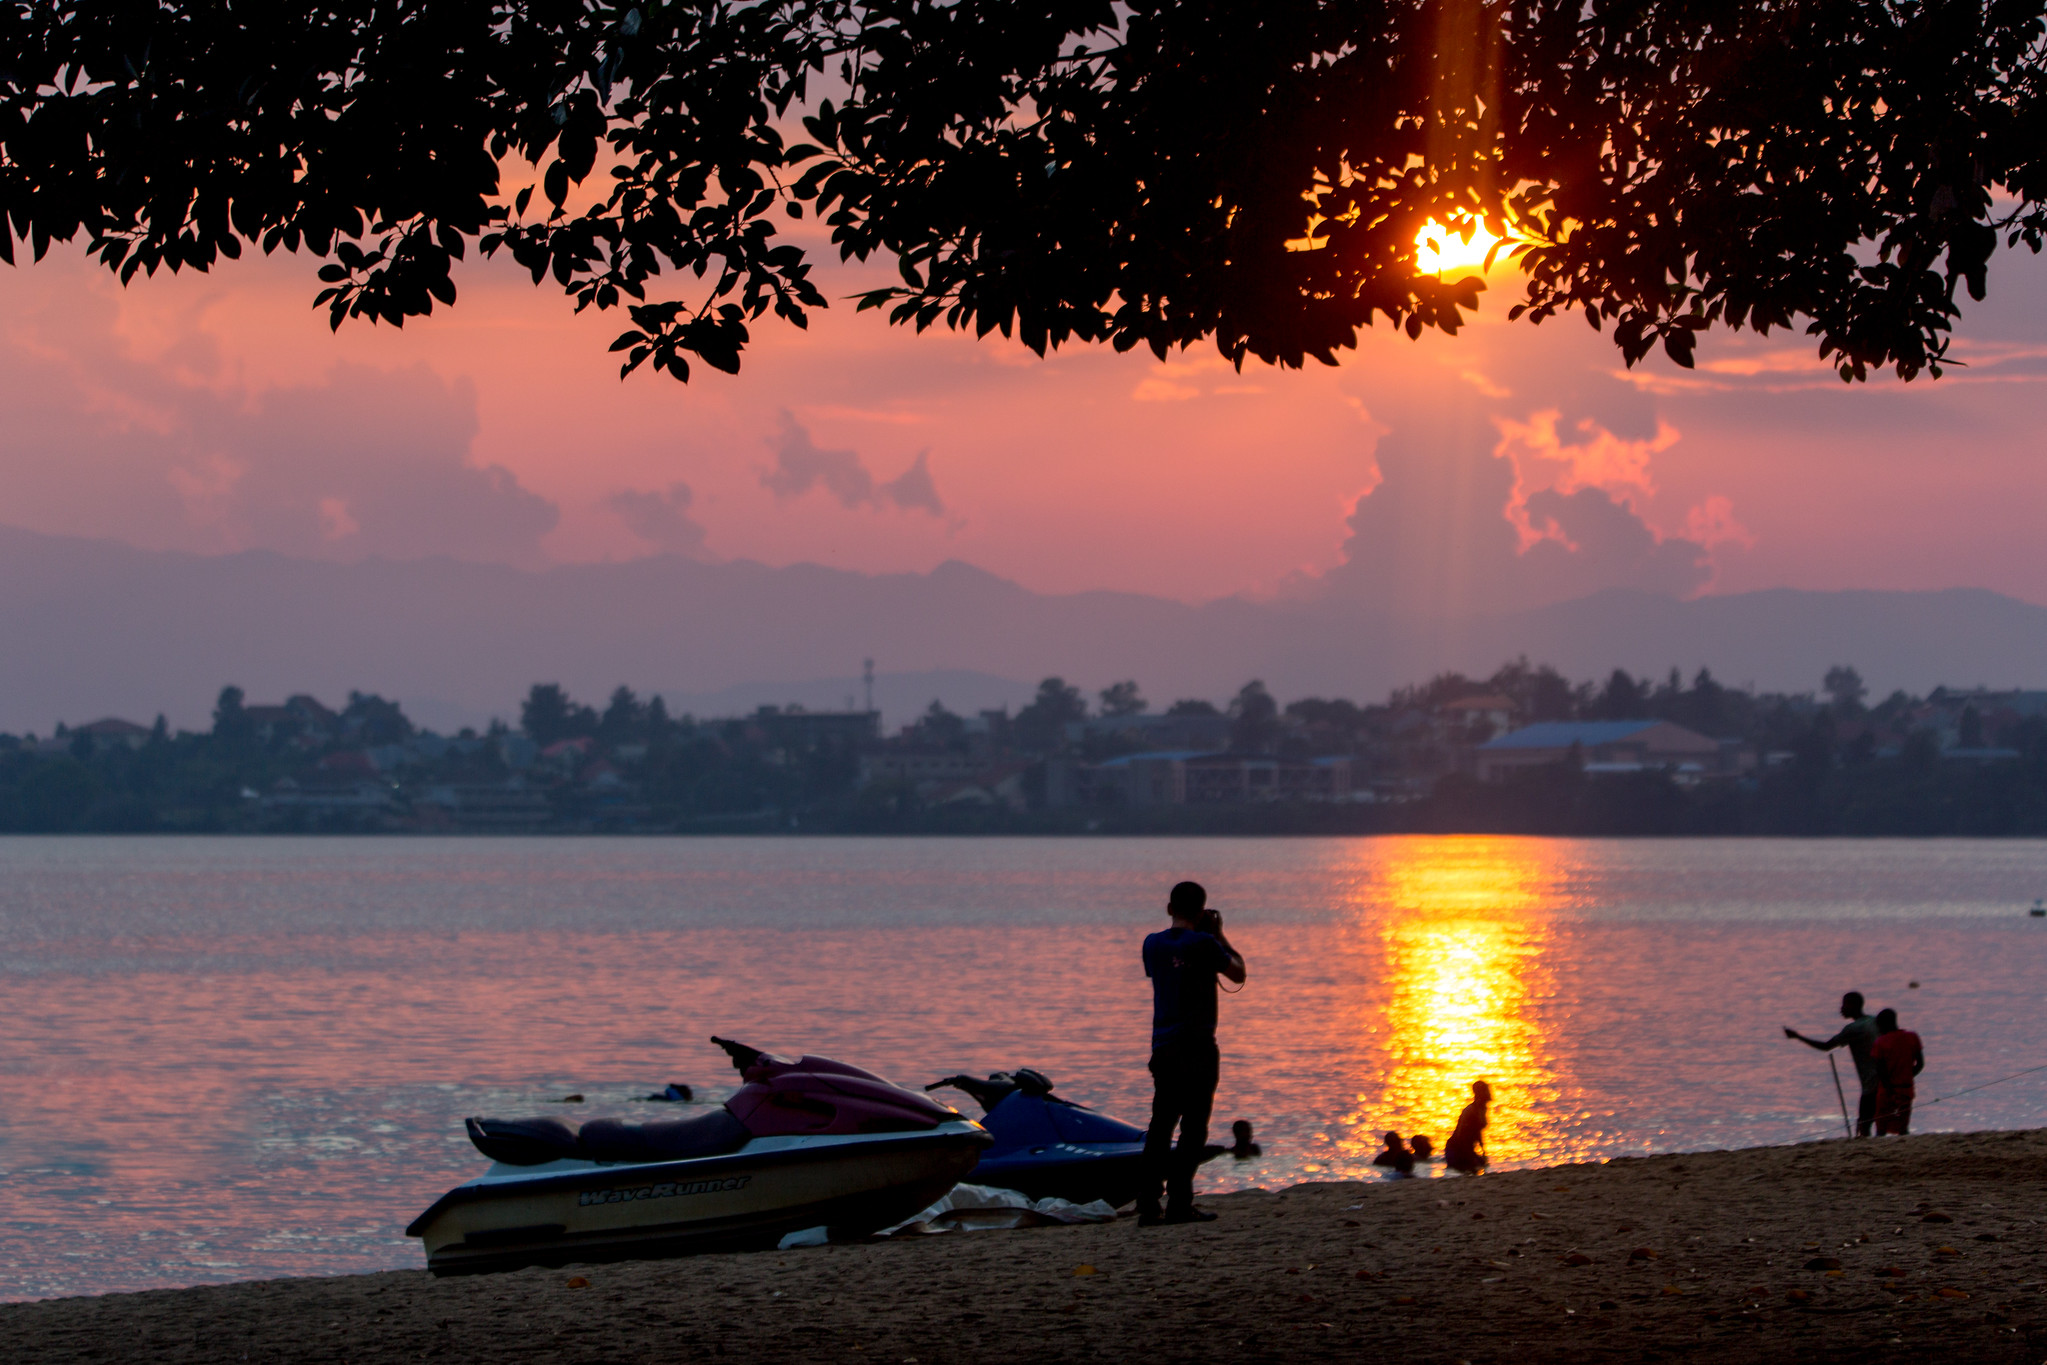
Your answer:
<point x="1084" y="1268"/>
<point x="570" y="1099"/>
<point x="578" y="1282"/>
<point x="1986" y="1236"/>
<point x="1642" y="1254"/>
<point x="1936" y="1216"/>
<point x="1607" y="1305"/>
<point x="1798" y="1295"/>
<point x="1911" y="985"/>
<point x="1947" y="1292"/>
<point x="1366" y="1275"/>
<point x="1889" y="1272"/>
<point x="983" y="1208"/>
<point x="1479" y="1217"/>
<point x="1404" y="1298"/>
<point x="1671" y="1291"/>
<point x="1575" y="1258"/>
<point x="1946" y="1251"/>
<point x="1824" y="1263"/>
<point x="1499" y="1265"/>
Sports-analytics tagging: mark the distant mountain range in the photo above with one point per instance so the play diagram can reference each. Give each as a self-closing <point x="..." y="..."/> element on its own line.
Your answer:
<point x="91" y="628"/>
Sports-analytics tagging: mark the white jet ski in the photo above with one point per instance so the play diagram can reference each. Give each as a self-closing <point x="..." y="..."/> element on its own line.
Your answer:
<point x="802" y="1144"/>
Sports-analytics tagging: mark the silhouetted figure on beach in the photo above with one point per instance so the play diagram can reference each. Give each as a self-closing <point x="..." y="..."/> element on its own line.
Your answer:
<point x="1858" y="1036"/>
<point x="1182" y="962"/>
<point x="1395" y="1155"/>
<point x="1465" y="1151"/>
<point x="1241" y="1145"/>
<point x="1423" y="1149"/>
<point x="1899" y="1057"/>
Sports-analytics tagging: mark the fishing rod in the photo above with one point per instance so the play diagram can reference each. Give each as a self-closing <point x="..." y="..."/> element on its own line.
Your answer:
<point x="1846" y="1128"/>
<point x="1985" y="1086"/>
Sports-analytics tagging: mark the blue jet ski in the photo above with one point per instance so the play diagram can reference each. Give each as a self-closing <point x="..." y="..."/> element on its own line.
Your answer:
<point x="1050" y="1148"/>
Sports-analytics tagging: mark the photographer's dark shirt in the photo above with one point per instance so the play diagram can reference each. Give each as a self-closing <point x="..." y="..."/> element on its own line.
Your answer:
<point x="1182" y="964"/>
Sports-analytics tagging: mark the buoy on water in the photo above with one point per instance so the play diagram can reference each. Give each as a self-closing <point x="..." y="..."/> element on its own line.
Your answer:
<point x="2039" y="910"/>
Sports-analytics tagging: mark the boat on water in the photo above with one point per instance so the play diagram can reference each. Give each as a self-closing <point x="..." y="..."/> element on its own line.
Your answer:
<point x="1051" y="1148"/>
<point x="803" y="1143"/>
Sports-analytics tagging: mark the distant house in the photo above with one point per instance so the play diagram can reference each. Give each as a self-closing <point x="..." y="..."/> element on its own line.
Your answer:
<point x="509" y="805"/>
<point x="114" y="733"/>
<point x="916" y="764"/>
<point x="1495" y="714"/>
<point x="567" y="755"/>
<point x="798" y="731"/>
<point x="1150" y="779"/>
<point x="1607" y="746"/>
<point x="1201" y="733"/>
<point x="1196" y="777"/>
<point x="349" y="762"/>
<point x="1229" y="779"/>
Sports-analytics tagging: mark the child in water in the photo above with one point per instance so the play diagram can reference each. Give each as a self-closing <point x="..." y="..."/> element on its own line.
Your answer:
<point x="1423" y="1149"/>
<point x="1396" y="1155"/>
<point x="1465" y="1151"/>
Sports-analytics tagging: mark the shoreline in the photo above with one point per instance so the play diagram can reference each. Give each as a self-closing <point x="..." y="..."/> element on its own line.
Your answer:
<point x="1834" y="1250"/>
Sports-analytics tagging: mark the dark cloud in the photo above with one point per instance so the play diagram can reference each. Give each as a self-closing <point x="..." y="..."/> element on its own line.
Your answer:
<point x="800" y="465"/>
<point x="661" y="518"/>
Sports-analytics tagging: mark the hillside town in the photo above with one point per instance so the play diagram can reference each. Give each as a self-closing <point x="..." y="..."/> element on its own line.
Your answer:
<point x="1522" y="750"/>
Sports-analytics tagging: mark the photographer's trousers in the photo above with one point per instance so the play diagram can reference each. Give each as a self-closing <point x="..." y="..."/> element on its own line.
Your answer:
<point x="1183" y="1079"/>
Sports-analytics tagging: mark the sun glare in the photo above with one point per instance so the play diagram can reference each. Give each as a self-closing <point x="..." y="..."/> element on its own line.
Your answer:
<point x="1440" y="250"/>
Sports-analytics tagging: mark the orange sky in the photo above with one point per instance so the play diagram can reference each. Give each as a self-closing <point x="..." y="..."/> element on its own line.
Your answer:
<point x="218" y="412"/>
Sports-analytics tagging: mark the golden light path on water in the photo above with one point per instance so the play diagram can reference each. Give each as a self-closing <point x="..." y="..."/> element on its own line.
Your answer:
<point x="1463" y="927"/>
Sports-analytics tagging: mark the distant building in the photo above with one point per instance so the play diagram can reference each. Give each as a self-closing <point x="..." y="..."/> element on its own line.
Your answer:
<point x="1196" y="777"/>
<point x="797" y="730"/>
<point x="1202" y="734"/>
<point x="916" y="764"/>
<point x="1608" y="746"/>
<point x="114" y="733"/>
<point x="1495" y="714"/>
<point x="1150" y="779"/>
<point x="507" y="805"/>
<point x="1226" y="779"/>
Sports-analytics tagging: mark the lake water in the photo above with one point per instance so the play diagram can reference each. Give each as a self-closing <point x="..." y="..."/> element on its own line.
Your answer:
<point x="227" y="1059"/>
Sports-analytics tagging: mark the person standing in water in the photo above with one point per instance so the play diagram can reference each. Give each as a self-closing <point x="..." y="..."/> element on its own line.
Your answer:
<point x="1183" y="962"/>
<point x="1858" y="1036"/>
<point x="1899" y="1059"/>
<point x="1465" y="1149"/>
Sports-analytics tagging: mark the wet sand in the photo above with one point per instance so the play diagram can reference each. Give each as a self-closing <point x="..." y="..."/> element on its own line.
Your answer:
<point x="1880" y="1250"/>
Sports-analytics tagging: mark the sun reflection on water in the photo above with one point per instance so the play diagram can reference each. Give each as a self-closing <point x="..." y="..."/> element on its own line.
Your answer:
<point x="1463" y="926"/>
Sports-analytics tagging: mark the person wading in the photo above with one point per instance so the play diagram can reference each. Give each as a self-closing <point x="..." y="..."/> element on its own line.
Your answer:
<point x="1900" y="1057"/>
<point x="1182" y="962"/>
<point x="1465" y="1150"/>
<point x="1859" y="1037"/>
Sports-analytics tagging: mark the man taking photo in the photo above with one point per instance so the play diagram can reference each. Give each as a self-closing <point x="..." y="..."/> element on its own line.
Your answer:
<point x="1182" y="962"/>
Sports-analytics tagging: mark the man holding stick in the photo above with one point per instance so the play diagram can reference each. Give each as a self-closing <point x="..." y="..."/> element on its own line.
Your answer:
<point x="1859" y="1037"/>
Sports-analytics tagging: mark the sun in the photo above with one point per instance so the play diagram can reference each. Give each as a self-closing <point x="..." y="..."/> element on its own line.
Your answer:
<point x="1447" y="251"/>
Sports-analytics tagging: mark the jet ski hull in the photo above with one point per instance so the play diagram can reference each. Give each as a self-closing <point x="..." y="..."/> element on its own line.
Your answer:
<point x="576" y="1211"/>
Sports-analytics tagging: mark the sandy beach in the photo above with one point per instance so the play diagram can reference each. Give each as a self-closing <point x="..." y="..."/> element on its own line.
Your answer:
<point x="1875" y="1250"/>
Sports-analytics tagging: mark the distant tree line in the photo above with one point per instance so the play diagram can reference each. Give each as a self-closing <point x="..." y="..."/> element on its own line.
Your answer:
<point x="1827" y="762"/>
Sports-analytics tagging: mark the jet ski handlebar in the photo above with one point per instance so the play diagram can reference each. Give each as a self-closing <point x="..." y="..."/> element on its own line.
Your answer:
<point x="742" y="1056"/>
<point x="999" y="1086"/>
